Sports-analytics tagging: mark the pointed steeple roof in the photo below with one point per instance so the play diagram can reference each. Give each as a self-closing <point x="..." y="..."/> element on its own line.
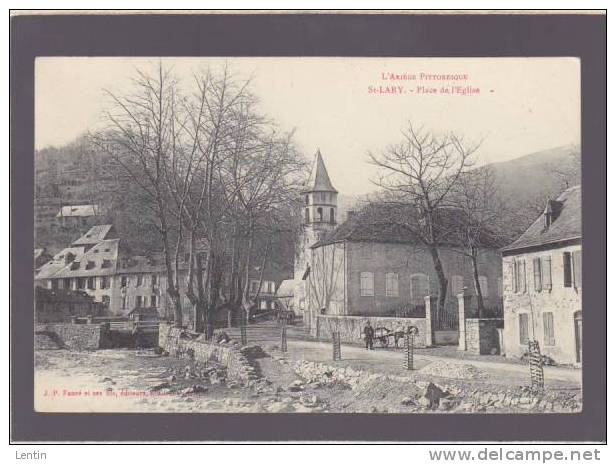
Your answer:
<point x="319" y="179"/>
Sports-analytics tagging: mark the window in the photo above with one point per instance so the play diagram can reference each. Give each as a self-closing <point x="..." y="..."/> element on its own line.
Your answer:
<point x="307" y="215"/>
<point x="124" y="302"/>
<point x="548" y="329"/>
<point x="365" y="251"/>
<point x="154" y="280"/>
<point x="106" y="301"/>
<point x="523" y="321"/>
<point x="153" y="301"/>
<point x="254" y="286"/>
<point x="366" y="284"/>
<point x="567" y="269"/>
<point x="577" y="268"/>
<point x="81" y="283"/>
<point x="307" y="199"/>
<point x="263" y="304"/>
<point x="546" y="272"/>
<point x="537" y="274"/>
<point x="457" y="284"/>
<point x="104" y="282"/>
<point x="138" y="301"/>
<point x="519" y="276"/>
<point x="391" y="284"/>
<point x="483" y="285"/>
<point x="420" y="288"/>
<point x="272" y="287"/>
<point x="145" y="301"/>
<point x="91" y="283"/>
<point x="332" y="215"/>
<point x="124" y="282"/>
<point x="139" y="280"/>
<point x="320" y="214"/>
<point x="54" y="284"/>
<point x="106" y="263"/>
<point x="66" y="284"/>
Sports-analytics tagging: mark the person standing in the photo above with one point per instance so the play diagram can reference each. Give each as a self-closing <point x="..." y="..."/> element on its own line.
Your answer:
<point x="368" y="335"/>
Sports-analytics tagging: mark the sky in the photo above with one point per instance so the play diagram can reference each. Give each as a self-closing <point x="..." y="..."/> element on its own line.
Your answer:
<point x="347" y="107"/>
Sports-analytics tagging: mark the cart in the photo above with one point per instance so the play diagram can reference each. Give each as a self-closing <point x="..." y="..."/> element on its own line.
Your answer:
<point x="384" y="335"/>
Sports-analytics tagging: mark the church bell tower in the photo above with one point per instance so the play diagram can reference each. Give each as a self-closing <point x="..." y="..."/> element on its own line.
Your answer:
<point x="319" y="217"/>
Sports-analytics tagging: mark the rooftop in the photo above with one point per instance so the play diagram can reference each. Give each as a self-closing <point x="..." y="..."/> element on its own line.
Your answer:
<point x="78" y="211"/>
<point x="376" y="224"/>
<point x="96" y="234"/>
<point x="565" y="223"/>
<point x="319" y="179"/>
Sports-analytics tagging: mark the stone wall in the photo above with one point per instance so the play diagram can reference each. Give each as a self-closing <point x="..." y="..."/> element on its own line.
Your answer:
<point x="482" y="336"/>
<point x="351" y="327"/>
<point x="178" y="342"/>
<point x="77" y="337"/>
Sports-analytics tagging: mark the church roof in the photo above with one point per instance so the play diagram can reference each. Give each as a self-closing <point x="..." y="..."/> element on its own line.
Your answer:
<point x="319" y="179"/>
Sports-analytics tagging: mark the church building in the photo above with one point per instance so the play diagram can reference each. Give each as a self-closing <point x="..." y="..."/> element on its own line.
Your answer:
<point x="363" y="268"/>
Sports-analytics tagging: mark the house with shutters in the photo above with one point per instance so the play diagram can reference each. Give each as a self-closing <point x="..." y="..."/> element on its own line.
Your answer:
<point x="96" y="266"/>
<point x="542" y="283"/>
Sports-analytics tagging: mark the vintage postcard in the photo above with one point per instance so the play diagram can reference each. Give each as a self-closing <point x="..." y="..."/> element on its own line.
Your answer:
<point x="308" y="235"/>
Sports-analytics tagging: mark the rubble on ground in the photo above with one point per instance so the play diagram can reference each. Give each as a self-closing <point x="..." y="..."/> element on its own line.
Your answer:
<point x="454" y="370"/>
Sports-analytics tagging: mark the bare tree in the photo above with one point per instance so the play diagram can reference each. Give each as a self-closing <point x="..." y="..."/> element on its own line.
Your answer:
<point x="477" y="220"/>
<point x="324" y="280"/>
<point x="140" y="137"/>
<point x="418" y="175"/>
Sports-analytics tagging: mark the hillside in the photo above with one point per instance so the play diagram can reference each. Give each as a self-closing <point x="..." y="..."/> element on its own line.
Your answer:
<point x="78" y="174"/>
<point x="538" y="174"/>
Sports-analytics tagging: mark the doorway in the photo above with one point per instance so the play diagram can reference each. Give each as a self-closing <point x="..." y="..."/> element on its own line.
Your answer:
<point x="577" y="321"/>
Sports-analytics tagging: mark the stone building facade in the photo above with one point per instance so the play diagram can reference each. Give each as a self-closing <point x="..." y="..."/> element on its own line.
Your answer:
<point x="542" y="275"/>
<point x="94" y="265"/>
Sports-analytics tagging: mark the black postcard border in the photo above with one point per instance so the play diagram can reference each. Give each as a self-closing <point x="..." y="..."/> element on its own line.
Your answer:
<point x="324" y="34"/>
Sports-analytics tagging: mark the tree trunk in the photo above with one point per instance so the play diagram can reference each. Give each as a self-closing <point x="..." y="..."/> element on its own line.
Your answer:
<point x="480" y="304"/>
<point x="442" y="280"/>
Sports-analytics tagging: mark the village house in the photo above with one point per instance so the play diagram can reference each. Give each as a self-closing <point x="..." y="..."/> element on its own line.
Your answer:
<point x="543" y="283"/>
<point x="95" y="264"/>
<point x="78" y="215"/>
<point x="271" y="278"/>
<point x="361" y="268"/>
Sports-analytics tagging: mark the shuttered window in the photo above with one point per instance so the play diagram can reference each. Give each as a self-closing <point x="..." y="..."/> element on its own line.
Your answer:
<point x="523" y="321"/>
<point x="577" y="269"/>
<point x="548" y="329"/>
<point x="537" y="276"/>
<point x="567" y="277"/>
<point x="391" y="284"/>
<point x="520" y="275"/>
<point x="546" y="272"/>
<point x="366" y="284"/>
